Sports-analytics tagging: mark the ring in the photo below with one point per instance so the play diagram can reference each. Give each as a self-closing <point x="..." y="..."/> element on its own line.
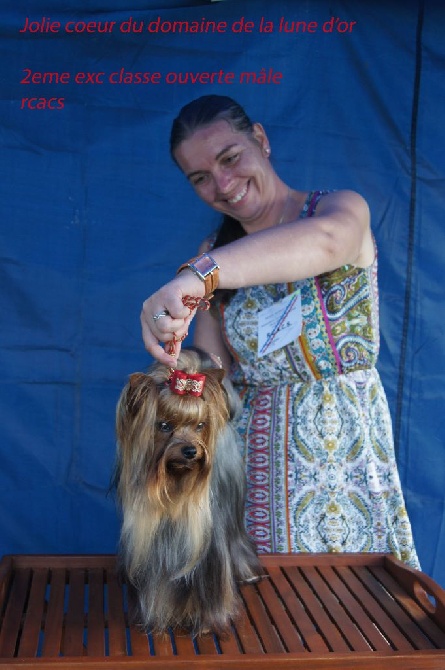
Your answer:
<point x="159" y="315"/>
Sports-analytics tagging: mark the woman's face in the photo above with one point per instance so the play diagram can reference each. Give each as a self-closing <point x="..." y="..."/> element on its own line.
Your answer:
<point x="230" y="171"/>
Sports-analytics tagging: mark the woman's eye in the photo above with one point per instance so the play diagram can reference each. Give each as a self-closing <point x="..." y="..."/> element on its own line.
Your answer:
<point x="230" y="160"/>
<point x="199" y="181"/>
<point x="165" y="426"/>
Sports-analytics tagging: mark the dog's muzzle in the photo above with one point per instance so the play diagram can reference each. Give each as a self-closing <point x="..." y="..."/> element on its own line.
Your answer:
<point x="184" y="457"/>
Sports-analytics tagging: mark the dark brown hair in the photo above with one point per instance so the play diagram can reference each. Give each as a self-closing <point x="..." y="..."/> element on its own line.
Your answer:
<point x="206" y="110"/>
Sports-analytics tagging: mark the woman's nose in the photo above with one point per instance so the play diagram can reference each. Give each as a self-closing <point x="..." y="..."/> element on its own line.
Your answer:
<point x="223" y="181"/>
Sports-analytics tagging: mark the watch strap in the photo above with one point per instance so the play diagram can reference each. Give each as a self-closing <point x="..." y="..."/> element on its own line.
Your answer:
<point x="207" y="269"/>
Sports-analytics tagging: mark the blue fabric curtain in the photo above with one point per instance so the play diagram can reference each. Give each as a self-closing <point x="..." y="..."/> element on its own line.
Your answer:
<point x="95" y="216"/>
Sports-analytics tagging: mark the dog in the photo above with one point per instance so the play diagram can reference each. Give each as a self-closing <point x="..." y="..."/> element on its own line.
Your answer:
<point x="181" y="485"/>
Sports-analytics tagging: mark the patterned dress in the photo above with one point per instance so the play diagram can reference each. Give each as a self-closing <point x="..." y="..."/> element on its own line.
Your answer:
<point x="316" y="429"/>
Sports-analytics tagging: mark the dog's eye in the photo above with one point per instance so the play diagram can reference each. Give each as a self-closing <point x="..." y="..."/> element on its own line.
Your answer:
<point x="200" y="426"/>
<point x="165" y="426"/>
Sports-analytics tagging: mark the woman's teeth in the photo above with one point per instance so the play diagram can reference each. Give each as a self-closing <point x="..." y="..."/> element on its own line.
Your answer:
<point x="238" y="197"/>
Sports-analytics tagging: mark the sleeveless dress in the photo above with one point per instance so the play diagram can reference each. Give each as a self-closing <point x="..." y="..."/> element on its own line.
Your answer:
<point x="315" y="428"/>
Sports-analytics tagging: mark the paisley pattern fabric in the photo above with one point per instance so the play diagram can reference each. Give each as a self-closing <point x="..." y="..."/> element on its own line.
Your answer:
<point x="316" y="428"/>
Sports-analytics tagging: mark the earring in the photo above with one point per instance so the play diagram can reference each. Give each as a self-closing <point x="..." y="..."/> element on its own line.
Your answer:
<point x="267" y="151"/>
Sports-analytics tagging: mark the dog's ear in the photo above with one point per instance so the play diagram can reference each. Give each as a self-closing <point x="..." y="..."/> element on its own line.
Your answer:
<point x="214" y="389"/>
<point x="220" y="382"/>
<point x="136" y="407"/>
<point x="216" y="373"/>
<point x="214" y="378"/>
<point x="135" y="379"/>
<point x="138" y="387"/>
<point x="135" y="420"/>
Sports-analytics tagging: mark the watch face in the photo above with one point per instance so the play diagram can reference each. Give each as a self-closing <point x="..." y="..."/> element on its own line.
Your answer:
<point x="205" y="264"/>
<point x="207" y="270"/>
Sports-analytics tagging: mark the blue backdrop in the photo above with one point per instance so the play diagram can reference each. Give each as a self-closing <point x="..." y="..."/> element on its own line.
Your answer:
<point x="95" y="216"/>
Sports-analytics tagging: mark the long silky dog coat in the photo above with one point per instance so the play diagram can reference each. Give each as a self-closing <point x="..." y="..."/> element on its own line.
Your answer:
<point x="181" y="483"/>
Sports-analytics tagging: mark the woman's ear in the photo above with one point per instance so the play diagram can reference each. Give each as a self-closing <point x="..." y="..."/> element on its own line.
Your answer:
<point x="259" y="135"/>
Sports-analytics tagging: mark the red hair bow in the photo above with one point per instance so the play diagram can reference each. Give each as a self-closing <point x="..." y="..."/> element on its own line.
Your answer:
<point x="182" y="383"/>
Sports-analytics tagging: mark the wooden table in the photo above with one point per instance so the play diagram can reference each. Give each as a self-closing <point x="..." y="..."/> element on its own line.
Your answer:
<point x="312" y="611"/>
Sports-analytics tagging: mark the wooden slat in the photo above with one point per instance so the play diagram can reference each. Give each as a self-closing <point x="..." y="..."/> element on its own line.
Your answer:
<point x="341" y="661"/>
<point x="335" y="608"/>
<point x="229" y="643"/>
<point x="116" y="619"/>
<point x="207" y="645"/>
<point x="95" y="619"/>
<point x="64" y="561"/>
<point x="6" y="571"/>
<point x="13" y="616"/>
<point x="313" y="641"/>
<point x="162" y="645"/>
<point x="320" y="560"/>
<point x="327" y="628"/>
<point x="53" y="630"/>
<point x="184" y="644"/>
<point x="138" y="639"/>
<point x="354" y="609"/>
<point x="75" y="619"/>
<point x="279" y="615"/>
<point x="261" y="620"/>
<point x="29" y="641"/>
<point x="374" y="610"/>
<point x="245" y="632"/>
<point x="138" y="642"/>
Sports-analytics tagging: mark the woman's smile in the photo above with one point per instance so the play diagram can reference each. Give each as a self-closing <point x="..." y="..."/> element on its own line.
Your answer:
<point x="239" y="196"/>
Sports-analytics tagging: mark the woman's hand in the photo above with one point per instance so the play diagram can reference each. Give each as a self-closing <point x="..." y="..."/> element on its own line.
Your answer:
<point x="165" y="319"/>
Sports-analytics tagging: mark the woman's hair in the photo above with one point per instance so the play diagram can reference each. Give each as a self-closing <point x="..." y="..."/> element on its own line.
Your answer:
<point x="195" y="115"/>
<point x="206" y="110"/>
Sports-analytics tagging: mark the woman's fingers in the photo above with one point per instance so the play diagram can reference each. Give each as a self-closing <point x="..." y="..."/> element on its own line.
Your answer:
<point x="165" y="318"/>
<point x="162" y="334"/>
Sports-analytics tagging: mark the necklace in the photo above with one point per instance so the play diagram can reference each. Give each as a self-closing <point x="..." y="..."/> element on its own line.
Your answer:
<point x="286" y="202"/>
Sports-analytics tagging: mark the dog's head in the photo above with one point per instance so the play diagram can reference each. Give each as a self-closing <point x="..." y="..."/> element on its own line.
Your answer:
<point x="167" y="430"/>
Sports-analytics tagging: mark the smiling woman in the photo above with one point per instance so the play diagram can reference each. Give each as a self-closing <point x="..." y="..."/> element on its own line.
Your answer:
<point x="294" y="321"/>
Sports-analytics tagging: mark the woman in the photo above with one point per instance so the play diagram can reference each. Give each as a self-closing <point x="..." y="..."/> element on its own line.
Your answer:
<point x="295" y="320"/>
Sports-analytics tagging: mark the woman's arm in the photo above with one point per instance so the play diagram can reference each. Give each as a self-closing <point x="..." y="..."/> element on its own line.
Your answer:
<point x="339" y="234"/>
<point x="208" y="336"/>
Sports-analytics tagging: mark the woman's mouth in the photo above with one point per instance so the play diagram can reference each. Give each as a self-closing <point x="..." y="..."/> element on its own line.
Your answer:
<point x="239" y="196"/>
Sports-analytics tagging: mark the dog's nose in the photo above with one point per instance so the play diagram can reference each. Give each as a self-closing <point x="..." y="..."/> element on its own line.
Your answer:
<point x="189" y="452"/>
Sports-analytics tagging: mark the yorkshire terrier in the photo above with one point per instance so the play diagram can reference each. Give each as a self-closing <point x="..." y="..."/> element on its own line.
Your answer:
<point x="181" y="484"/>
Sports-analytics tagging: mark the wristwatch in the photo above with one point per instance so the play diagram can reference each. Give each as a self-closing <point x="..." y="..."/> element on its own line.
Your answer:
<point x="207" y="269"/>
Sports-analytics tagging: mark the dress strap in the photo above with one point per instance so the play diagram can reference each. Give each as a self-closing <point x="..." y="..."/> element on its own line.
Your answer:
<point x="311" y="203"/>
